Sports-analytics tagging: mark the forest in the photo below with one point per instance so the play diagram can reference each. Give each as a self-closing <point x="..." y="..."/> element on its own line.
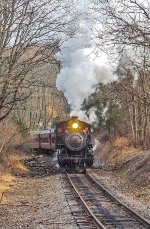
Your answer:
<point x="122" y="107"/>
<point x="32" y="32"/>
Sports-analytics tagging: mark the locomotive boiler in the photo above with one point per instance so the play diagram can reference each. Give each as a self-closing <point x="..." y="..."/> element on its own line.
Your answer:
<point x="73" y="144"/>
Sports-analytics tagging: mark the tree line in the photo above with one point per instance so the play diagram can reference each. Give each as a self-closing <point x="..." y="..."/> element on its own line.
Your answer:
<point x="31" y="31"/>
<point x="122" y="107"/>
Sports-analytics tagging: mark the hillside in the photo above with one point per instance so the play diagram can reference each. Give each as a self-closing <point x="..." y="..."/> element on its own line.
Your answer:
<point x="125" y="170"/>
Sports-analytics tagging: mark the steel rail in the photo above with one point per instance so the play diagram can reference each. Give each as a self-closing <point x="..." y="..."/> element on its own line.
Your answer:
<point x="94" y="219"/>
<point x="128" y="209"/>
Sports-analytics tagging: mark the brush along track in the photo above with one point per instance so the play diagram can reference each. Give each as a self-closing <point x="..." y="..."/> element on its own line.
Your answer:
<point x="104" y="209"/>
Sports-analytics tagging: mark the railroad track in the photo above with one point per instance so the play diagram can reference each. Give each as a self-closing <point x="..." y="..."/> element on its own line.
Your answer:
<point x="102" y="208"/>
<point x="83" y="221"/>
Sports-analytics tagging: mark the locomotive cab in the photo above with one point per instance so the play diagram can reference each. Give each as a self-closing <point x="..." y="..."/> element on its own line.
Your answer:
<point x="73" y="144"/>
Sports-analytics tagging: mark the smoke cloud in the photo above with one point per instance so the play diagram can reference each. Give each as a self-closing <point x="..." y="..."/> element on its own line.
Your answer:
<point x="83" y="117"/>
<point x="81" y="70"/>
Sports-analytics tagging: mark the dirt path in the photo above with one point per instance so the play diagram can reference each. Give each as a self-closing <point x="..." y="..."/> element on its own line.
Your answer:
<point x="36" y="202"/>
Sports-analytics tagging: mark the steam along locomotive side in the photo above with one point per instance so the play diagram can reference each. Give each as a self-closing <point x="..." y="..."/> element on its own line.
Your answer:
<point x="73" y="144"/>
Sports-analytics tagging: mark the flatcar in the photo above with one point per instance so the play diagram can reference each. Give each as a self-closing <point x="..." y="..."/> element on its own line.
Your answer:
<point x="73" y="144"/>
<point x="43" y="141"/>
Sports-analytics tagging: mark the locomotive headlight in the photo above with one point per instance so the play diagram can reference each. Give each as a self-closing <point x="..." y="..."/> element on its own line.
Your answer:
<point x="75" y="125"/>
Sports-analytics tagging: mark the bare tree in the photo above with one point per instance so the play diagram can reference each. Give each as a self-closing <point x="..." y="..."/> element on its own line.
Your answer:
<point x="123" y="23"/>
<point x="125" y="27"/>
<point x="30" y="32"/>
<point x="45" y="104"/>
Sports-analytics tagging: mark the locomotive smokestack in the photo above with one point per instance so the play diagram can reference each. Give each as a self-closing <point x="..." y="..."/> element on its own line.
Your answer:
<point x="74" y="118"/>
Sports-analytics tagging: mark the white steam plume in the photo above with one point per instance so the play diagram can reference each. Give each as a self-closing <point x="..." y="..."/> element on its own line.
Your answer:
<point x="81" y="71"/>
<point x="83" y="117"/>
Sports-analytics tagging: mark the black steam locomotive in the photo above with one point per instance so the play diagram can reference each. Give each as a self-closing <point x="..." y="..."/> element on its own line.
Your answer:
<point x="73" y="144"/>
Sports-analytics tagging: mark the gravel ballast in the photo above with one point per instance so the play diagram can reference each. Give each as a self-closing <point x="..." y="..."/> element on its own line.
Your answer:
<point x="36" y="203"/>
<point x="129" y="194"/>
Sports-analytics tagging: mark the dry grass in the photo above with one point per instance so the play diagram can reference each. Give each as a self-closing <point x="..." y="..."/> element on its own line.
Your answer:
<point x="120" y="142"/>
<point x="10" y="139"/>
<point x="15" y="163"/>
<point x="119" y="149"/>
<point x="7" y="177"/>
<point x="10" y="135"/>
<point x="122" y="149"/>
<point x="4" y="187"/>
<point x="10" y="160"/>
<point x="105" y="152"/>
<point x="131" y="162"/>
<point x="6" y="181"/>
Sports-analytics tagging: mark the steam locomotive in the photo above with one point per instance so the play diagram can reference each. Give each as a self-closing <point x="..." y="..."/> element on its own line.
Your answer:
<point x="73" y="144"/>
